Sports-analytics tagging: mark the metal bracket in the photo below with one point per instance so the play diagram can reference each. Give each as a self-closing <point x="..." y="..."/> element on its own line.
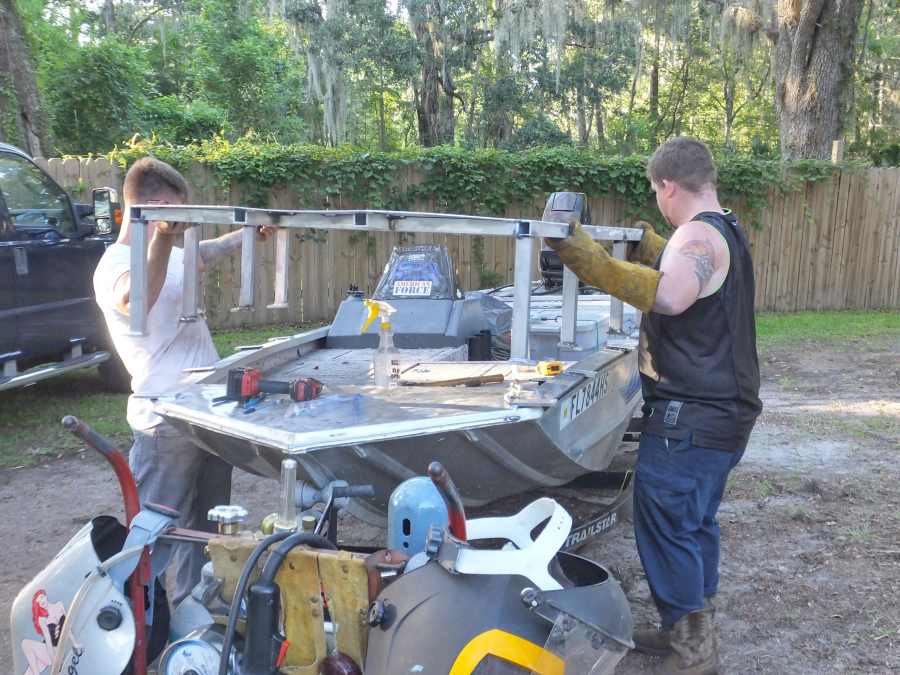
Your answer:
<point x="523" y="229"/>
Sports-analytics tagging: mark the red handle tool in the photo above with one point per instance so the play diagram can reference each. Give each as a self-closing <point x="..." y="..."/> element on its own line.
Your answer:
<point x="141" y="576"/>
<point x="450" y="495"/>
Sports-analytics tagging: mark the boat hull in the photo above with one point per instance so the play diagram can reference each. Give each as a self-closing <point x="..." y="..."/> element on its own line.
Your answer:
<point x="565" y="427"/>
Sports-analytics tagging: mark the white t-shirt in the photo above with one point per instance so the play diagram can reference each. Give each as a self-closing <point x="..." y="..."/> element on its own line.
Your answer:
<point x="155" y="361"/>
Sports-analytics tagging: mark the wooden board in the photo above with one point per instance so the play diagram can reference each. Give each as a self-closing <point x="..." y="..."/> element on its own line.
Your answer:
<point x="304" y="576"/>
<point x="425" y="372"/>
<point x="345" y="584"/>
<point x="301" y="603"/>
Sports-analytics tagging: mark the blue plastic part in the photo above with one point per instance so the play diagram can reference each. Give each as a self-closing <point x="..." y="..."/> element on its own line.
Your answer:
<point x="415" y="505"/>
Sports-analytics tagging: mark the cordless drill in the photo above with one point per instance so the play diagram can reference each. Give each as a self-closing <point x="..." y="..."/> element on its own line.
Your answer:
<point x="244" y="384"/>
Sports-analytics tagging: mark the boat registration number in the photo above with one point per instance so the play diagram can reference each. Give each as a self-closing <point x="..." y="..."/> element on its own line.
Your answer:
<point x="583" y="398"/>
<point x="413" y="288"/>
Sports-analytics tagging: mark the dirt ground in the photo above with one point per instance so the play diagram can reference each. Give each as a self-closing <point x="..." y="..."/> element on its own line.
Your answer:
<point x="810" y="522"/>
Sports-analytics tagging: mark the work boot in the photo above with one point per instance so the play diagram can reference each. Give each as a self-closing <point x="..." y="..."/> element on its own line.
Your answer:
<point x="694" y="646"/>
<point x="653" y="641"/>
<point x="656" y="640"/>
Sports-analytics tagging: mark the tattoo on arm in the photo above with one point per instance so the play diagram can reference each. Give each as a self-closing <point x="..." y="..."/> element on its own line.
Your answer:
<point x="704" y="256"/>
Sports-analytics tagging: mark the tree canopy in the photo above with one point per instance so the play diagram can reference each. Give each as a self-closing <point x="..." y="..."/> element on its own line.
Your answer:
<point x="772" y="79"/>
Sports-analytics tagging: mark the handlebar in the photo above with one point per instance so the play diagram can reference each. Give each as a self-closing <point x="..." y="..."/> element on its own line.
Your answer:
<point x="353" y="491"/>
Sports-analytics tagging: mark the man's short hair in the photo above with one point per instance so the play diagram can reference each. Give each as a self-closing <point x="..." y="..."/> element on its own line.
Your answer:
<point x="685" y="161"/>
<point x="149" y="176"/>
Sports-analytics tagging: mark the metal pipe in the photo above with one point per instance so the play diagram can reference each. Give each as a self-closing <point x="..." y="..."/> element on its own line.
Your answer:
<point x="248" y="257"/>
<point x="190" y="298"/>
<point x="616" y="308"/>
<point x="376" y="220"/>
<point x="282" y="268"/>
<point x="137" y="295"/>
<point x="569" y="308"/>
<point x="521" y="315"/>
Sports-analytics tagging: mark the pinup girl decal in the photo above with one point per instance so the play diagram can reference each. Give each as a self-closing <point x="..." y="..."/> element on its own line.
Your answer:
<point x="48" y="618"/>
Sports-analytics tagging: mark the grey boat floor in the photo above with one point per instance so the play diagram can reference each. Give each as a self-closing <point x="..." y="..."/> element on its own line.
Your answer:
<point x="351" y="409"/>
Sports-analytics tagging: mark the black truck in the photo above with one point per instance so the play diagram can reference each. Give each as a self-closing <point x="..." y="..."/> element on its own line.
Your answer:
<point x="49" y="247"/>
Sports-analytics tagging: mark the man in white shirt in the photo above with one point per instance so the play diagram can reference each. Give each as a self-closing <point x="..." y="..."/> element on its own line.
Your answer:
<point x="168" y="467"/>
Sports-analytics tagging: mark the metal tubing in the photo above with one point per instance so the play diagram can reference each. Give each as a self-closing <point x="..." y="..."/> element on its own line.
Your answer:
<point x="137" y="295"/>
<point x="521" y="317"/>
<point x="282" y="268"/>
<point x="616" y="308"/>
<point x="613" y="233"/>
<point x="190" y="299"/>
<point x="374" y="220"/>
<point x="569" y="307"/>
<point x="248" y="258"/>
<point x="287" y="508"/>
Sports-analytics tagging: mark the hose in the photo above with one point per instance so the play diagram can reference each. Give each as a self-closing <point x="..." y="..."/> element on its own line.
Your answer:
<point x="239" y="591"/>
<point x="278" y="555"/>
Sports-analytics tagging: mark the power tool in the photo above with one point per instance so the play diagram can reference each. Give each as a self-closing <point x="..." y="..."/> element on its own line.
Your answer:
<point x="244" y="384"/>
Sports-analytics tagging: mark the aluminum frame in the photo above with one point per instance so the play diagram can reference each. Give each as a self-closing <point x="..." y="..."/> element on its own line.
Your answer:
<point x="525" y="232"/>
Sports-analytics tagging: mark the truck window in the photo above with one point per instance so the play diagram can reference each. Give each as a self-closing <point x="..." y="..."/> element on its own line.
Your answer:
<point x="33" y="201"/>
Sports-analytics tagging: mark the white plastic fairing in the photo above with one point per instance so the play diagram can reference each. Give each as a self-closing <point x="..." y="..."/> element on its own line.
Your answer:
<point x="41" y="609"/>
<point x="532" y="557"/>
<point x="85" y="646"/>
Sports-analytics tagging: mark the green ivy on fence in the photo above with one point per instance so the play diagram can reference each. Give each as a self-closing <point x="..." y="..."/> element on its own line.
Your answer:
<point x="459" y="180"/>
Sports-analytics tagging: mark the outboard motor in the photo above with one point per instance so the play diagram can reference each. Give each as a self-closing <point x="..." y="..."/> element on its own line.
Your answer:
<point x="561" y="207"/>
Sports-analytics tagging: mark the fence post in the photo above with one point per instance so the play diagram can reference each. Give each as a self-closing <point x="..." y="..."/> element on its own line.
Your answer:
<point x="837" y="151"/>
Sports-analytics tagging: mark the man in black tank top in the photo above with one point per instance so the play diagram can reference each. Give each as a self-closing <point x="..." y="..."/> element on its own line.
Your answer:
<point x="700" y="377"/>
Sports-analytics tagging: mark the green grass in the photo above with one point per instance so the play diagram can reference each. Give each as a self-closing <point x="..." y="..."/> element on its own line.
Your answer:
<point x="775" y="329"/>
<point x="227" y="340"/>
<point x="30" y="429"/>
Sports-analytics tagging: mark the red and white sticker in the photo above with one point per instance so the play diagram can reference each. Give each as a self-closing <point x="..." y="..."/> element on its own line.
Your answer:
<point x="412" y="288"/>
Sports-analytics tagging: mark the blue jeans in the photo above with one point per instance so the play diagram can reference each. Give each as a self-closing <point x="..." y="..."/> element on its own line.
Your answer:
<point x="677" y="490"/>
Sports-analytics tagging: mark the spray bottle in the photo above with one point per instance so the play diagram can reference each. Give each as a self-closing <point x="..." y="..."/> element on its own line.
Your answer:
<point x="386" y="362"/>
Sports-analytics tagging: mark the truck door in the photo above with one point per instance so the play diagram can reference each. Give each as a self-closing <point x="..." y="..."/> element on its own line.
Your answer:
<point x="53" y="264"/>
<point x="7" y="283"/>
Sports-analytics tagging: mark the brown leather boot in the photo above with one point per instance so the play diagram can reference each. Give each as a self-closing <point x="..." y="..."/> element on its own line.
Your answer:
<point x="654" y="640"/>
<point x="694" y="646"/>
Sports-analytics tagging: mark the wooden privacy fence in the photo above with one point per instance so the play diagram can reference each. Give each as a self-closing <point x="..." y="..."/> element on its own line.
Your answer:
<point x="833" y="244"/>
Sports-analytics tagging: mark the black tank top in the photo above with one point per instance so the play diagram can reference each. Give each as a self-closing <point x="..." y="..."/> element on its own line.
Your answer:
<point x="699" y="369"/>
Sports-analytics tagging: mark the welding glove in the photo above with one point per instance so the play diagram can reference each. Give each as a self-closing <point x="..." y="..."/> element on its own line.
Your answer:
<point x="631" y="283"/>
<point x="647" y="250"/>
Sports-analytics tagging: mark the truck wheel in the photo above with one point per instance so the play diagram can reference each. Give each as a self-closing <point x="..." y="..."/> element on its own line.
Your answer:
<point x="114" y="376"/>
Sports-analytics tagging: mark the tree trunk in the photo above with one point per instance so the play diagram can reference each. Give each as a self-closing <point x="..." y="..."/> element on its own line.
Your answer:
<point x="598" y="115"/>
<point x="654" y="85"/>
<point x="729" y="87"/>
<point x="813" y="73"/>
<point x="654" y="101"/>
<point x="382" y="131"/>
<point x="21" y="116"/>
<point x="431" y="112"/>
<point x="585" y="118"/>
